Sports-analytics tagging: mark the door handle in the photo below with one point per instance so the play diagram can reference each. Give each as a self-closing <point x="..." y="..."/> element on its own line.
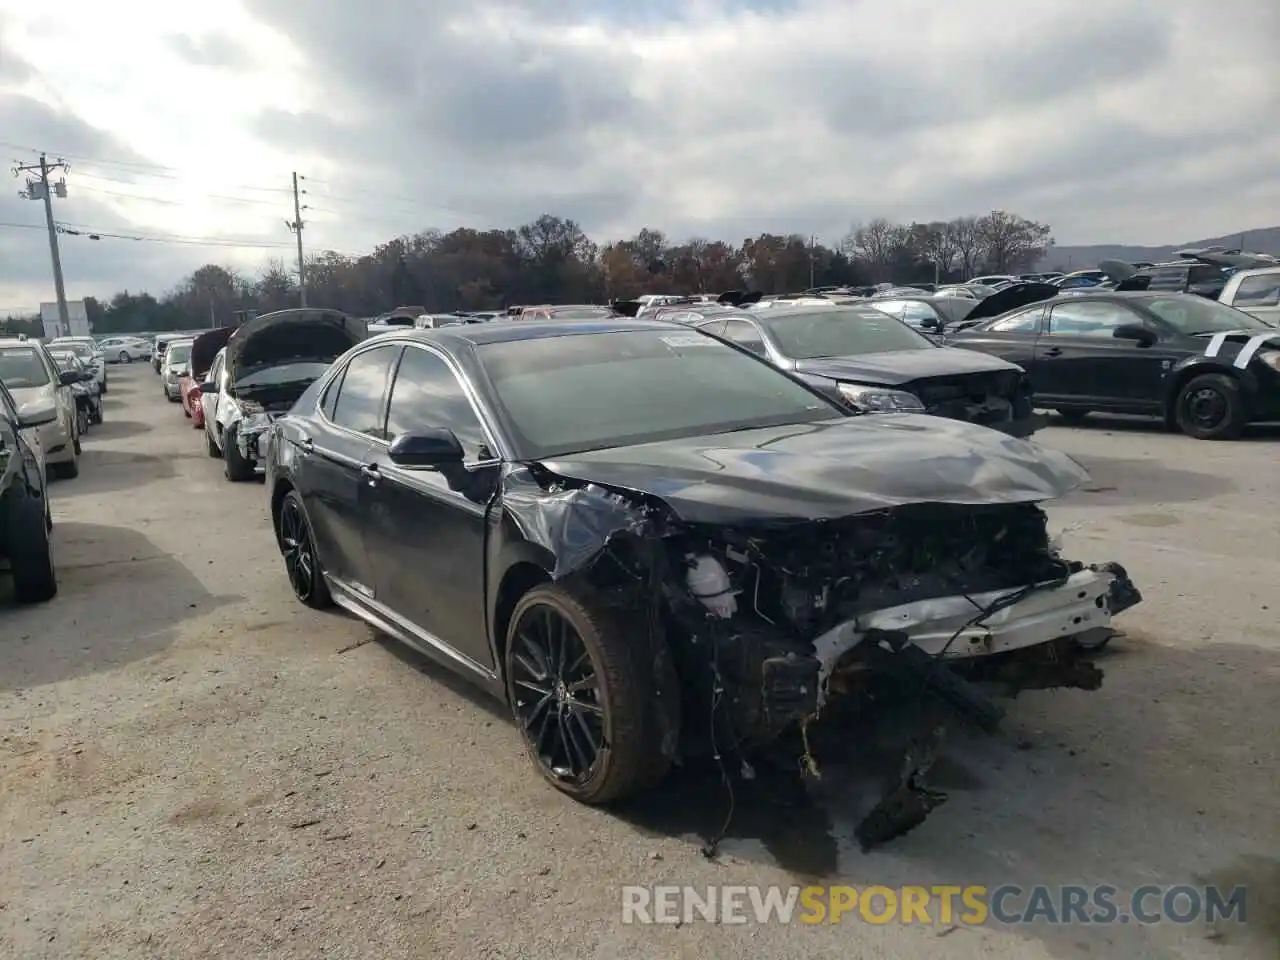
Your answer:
<point x="370" y="473"/>
<point x="1053" y="352"/>
<point x="308" y="445"/>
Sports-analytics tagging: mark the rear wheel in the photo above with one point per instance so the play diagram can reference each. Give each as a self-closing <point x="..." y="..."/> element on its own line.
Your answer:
<point x="27" y="526"/>
<point x="298" y="546"/>
<point x="71" y="469"/>
<point x="82" y="424"/>
<point x="581" y="689"/>
<point x="124" y="357"/>
<point x="1209" y="407"/>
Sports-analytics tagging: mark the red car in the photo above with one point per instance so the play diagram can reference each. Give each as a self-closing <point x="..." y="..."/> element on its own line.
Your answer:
<point x="203" y="349"/>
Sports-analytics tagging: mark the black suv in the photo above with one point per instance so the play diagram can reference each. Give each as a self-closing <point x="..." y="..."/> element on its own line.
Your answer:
<point x="1203" y="272"/>
<point x="25" y="520"/>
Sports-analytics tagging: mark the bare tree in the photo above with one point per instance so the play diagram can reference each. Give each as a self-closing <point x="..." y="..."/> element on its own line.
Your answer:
<point x="967" y="240"/>
<point x="1011" y="242"/>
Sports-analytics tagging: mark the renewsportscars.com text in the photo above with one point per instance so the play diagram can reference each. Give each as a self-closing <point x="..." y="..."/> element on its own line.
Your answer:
<point x="965" y="905"/>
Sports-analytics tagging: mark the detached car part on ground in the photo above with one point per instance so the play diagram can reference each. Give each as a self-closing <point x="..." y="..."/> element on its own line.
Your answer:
<point x="871" y="362"/>
<point x="1203" y="367"/>
<point x="267" y="364"/>
<point x="25" y="518"/>
<point x="706" y="559"/>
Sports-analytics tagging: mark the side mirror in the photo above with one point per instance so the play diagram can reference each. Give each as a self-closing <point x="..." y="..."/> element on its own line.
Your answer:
<point x="88" y="376"/>
<point x="929" y="323"/>
<point x="37" y="415"/>
<point x="208" y="387"/>
<point x="1144" y="336"/>
<point x="427" y="449"/>
<point x="68" y="377"/>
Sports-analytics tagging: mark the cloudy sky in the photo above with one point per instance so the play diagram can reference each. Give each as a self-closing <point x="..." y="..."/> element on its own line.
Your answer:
<point x="1137" y="121"/>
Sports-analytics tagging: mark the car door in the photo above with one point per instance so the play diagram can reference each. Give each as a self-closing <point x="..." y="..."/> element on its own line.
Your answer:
<point x="1011" y="337"/>
<point x="209" y="401"/>
<point x="425" y="530"/>
<point x="348" y="426"/>
<point x="1080" y="360"/>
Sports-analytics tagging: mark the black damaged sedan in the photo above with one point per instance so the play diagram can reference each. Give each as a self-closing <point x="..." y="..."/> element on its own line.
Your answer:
<point x="654" y="546"/>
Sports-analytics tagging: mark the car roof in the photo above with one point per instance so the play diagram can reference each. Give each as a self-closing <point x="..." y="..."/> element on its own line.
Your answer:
<point x="482" y="333"/>
<point x="15" y="342"/>
<point x="1257" y="271"/>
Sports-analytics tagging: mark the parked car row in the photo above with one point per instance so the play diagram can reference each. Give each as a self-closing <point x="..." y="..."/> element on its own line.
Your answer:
<point x="50" y="396"/>
<point x="652" y="543"/>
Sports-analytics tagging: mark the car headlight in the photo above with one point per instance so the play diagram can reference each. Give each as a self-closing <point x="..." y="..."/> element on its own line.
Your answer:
<point x="254" y="423"/>
<point x="880" y="400"/>
<point x="1271" y="358"/>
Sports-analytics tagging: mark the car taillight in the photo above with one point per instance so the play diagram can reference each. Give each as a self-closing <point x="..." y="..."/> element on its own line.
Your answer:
<point x="193" y="394"/>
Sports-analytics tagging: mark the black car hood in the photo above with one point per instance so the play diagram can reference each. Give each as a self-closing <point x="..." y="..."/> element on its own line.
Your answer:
<point x="830" y="469"/>
<point x="896" y="367"/>
<point x="1011" y="298"/>
<point x="297" y="334"/>
<point x="206" y="346"/>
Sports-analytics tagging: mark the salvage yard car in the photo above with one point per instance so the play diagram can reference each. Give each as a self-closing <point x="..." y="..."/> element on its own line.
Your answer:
<point x="25" y="519"/>
<point x="873" y="363"/>
<point x="1203" y="367"/>
<point x="642" y="537"/>
<point x="1255" y="291"/>
<point x="87" y="392"/>
<point x="87" y="349"/>
<point x="265" y="366"/>
<point x="35" y="382"/>
<point x="204" y="349"/>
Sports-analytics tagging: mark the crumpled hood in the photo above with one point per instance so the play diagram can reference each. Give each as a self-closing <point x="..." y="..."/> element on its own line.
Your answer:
<point x="831" y="469"/>
<point x="902" y="366"/>
<point x="295" y="334"/>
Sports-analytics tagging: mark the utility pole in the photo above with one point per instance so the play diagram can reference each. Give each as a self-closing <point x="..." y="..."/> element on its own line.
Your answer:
<point x="42" y="190"/>
<point x="296" y="226"/>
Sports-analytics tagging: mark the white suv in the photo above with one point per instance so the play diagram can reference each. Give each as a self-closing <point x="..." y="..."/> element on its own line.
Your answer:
<point x="35" y="383"/>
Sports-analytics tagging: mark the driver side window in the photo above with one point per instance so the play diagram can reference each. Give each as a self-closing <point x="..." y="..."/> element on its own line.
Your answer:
<point x="1089" y="319"/>
<point x="426" y="393"/>
<point x="745" y="335"/>
<point x="1024" y="321"/>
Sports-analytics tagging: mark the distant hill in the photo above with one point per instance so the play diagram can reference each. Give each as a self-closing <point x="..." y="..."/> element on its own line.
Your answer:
<point x="1264" y="240"/>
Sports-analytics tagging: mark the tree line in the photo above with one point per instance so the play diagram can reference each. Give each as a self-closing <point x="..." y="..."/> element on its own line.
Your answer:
<point x="552" y="260"/>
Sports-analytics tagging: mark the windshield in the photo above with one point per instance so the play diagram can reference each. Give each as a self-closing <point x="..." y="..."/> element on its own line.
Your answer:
<point x="593" y="391"/>
<point x="78" y="347"/>
<point x="840" y="333"/>
<point x="20" y="367"/>
<point x="178" y="353"/>
<point x="281" y="373"/>
<point x="1192" y="314"/>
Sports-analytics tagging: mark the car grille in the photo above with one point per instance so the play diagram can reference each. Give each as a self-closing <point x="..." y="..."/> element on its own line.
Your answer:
<point x="976" y="397"/>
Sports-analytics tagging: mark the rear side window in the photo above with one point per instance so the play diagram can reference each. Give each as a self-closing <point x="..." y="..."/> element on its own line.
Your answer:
<point x="364" y="384"/>
<point x="1262" y="290"/>
<point x="1024" y="321"/>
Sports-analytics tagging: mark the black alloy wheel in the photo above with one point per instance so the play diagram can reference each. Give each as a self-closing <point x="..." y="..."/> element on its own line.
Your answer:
<point x="297" y="546"/>
<point x="1209" y="407"/>
<point x="581" y="689"/>
<point x="559" y="705"/>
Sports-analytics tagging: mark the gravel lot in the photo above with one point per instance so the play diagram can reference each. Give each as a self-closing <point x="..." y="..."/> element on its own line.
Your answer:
<point x="194" y="765"/>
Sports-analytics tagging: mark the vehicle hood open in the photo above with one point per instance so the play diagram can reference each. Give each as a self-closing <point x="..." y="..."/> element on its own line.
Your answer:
<point x="1011" y="298"/>
<point x="895" y="367"/>
<point x="829" y="469"/>
<point x="302" y="333"/>
<point x="206" y="346"/>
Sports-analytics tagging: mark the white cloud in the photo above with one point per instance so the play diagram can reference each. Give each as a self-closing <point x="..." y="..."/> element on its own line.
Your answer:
<point x="1147" y="122"/>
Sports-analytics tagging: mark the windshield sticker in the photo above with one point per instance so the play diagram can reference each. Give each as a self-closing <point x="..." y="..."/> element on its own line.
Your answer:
<point x="687" y="340"/>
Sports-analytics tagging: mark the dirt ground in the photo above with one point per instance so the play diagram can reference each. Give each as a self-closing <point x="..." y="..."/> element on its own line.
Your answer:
<point x="194" y="765"/>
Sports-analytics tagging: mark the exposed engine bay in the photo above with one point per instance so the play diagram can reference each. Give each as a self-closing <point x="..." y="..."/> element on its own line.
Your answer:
<point x="786" y="624"/>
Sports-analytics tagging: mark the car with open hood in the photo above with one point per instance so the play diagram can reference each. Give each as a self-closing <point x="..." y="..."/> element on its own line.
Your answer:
<point x="1201" y="271"/>
<point x="266" y="365"/>
<point x="648" y="542"/>
<point x="871" y="363"/>
<point x="204" y="349"/>
<point x="1199" y="365"/>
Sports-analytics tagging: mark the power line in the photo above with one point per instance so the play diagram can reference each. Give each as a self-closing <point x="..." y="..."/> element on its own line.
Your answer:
<point x="93" y="233"/>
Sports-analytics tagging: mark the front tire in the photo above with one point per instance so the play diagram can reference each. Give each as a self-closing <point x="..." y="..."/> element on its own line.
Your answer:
<point x="124" y="357"/>
<point x="27" y="526"/>
<point x="237" y="468"/>
<point x="211" y="445"/>
<point x="1209" y="407"/>
<point x="581" y="688"/>
<point x="298" y="547"/>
